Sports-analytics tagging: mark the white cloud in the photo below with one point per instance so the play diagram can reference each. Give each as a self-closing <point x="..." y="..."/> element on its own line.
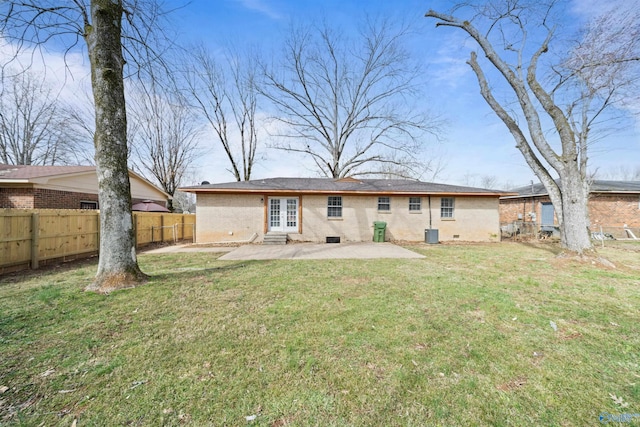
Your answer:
<point x="262" y="7"/>
<point x="69" y="74"/>
<point x="592" y="8"/>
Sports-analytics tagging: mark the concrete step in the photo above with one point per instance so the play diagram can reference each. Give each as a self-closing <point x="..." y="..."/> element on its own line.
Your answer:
<point x="275" y="239"/>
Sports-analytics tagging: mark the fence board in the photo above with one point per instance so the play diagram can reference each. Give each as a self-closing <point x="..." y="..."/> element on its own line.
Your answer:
<point x="64" y="233"/>
<point x="68" y="233"/>
<point x="15" y="238"/>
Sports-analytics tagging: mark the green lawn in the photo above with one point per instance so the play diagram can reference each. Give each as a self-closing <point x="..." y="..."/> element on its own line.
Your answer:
<point x="497" y="334"/>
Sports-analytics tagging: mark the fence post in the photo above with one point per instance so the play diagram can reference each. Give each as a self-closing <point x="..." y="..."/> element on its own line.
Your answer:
<point x="99" y="225"/>
<point x="162" y="227"/>
<point x="134" y="217"/>
<point x="35" y="239"/>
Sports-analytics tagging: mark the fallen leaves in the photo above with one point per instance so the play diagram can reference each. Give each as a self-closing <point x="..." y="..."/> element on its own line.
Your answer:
<point x="47" y="373"/>
<point x="618" y="401"/>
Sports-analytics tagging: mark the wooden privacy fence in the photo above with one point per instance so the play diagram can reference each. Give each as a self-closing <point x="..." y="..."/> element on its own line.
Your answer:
<point x="29" y="237"/>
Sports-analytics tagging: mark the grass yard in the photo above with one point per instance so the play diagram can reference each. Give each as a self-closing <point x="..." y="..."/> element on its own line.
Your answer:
<point x="501" y="334"/>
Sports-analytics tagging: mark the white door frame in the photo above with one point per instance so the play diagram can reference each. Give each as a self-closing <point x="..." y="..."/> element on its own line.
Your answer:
<point x="283" y="214"/>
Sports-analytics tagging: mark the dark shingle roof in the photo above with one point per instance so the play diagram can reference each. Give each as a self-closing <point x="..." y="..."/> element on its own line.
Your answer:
<point x="345" y="185"/>
<point x="31" y="171"/>
<point x="615" y="187"/>
<point x="597" y="186"/>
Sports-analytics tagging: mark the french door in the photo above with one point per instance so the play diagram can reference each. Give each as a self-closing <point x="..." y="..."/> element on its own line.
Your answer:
<point x="283" y="214"/>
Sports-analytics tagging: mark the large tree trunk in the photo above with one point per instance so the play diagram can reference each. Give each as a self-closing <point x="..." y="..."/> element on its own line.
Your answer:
<point x="574" y="221"/>
<point x="570" y="194"/>
<point x="117" y="266"/>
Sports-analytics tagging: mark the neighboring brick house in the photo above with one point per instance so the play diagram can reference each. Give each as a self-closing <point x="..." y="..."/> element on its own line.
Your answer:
<point x="63" y="187"/>
<point x="322" y="209"/>
<point x="613" y="204"/>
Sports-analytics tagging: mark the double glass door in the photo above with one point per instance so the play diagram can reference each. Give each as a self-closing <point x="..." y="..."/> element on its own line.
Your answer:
<point x="283" y="214"/>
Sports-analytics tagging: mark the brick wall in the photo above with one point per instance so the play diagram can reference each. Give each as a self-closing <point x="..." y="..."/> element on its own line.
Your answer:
<point x="515" y="210"/>
<point x="54" y="199"/>
<point x="475" y="219"/>
<point x="612" y="210"/>
<point x="237" y="217"/>
<point x="17" y="198"/>
<point x="40" y="198"/>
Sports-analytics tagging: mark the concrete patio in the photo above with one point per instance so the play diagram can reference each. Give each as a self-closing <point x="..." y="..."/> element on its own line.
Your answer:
<point x="359" y="250"/>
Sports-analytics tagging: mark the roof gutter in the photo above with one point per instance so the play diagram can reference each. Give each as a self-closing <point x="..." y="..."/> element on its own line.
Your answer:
<point x="14" y="181"/>
<point x="322" y="192"/>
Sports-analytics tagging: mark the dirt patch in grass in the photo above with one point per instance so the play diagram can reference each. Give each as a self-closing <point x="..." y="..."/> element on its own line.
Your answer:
<point x="513" y="384"/>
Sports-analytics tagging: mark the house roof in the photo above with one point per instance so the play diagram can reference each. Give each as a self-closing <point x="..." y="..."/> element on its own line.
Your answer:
<point x="34" y="174"/>
<point x="597" y="186"/>
<point x="340" y="186"/>
<point x="29" y="172"/>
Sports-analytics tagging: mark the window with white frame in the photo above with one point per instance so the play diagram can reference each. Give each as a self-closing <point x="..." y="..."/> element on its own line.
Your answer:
<point x="447" y="206"/>
<point x="334" y="207"/>
<point x="87" y="205"/>
<point x="384" y="203"/>
<point x="415" y="204"/>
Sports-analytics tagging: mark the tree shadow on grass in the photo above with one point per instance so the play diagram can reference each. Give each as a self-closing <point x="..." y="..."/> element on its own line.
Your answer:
<point x="191" y="272"/>
<point x="69" y="267"/>
<point x="48" y="270"/>
<point x="553" y="248"/>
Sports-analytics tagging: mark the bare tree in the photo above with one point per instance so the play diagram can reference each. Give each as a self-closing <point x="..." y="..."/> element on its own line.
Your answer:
<point x="622" y="173"/>
<point x="483" y="181"/>
<point x="165" y="138"/>
<point x="100" y="24"/>
<point x="227" y="98"/>
<point x="347" y="105"/>
<point x="34" y="123"/>
<point x="184" y="202"/>
<point x="574" y="93"/>
<point x="82" y="125"/>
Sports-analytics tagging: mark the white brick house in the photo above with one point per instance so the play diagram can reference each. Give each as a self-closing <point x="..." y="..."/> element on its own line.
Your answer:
<point x="314" y="209"/>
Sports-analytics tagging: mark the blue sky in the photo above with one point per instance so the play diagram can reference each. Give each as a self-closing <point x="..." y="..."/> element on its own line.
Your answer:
<point x="475" y="142"/>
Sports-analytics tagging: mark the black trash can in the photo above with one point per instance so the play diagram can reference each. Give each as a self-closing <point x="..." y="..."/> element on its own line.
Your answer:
<point x="431" y="235"/>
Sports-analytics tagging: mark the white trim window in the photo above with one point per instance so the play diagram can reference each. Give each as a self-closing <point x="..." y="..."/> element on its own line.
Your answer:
<point x="384" y="204"/>
<point x="447" y="207"/>
<point x="334" y="207"/>
<point x="415" y="204"/>
<point x="88" y="205"/>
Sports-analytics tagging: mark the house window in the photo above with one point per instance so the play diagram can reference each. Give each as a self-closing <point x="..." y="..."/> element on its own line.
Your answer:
<point x="88" y="205"/>
<point x="415" y="204"/>
<point x="334" y="207"/>
<point x="446" y="207"/>
<point x="384" y="203"/>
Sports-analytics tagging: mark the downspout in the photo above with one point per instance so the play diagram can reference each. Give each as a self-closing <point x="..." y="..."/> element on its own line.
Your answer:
<point x="429" y="198"/>
<point x="533" y="203"/>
